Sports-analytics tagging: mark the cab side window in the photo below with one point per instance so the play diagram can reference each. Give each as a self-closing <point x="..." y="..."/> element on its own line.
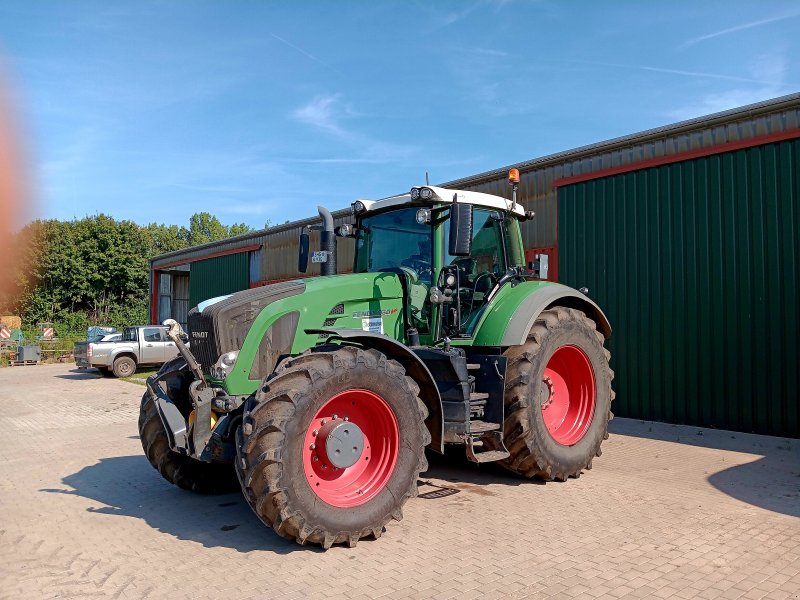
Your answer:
<point x="479" y="271"/>
<point x="152" y="334"/>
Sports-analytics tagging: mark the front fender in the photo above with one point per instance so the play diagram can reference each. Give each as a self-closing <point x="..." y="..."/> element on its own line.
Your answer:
<point x="512" y="313"/>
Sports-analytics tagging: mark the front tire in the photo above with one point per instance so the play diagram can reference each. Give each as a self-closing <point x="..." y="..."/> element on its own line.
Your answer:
<point x="558" y="397"/>
<point x="286" y="464"/>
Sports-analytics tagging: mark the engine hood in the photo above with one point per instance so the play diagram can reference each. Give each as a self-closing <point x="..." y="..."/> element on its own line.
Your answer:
<point x="269" y="322"/>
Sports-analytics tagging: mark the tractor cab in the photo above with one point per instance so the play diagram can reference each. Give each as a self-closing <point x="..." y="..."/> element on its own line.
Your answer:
<point x="453" y="248"/>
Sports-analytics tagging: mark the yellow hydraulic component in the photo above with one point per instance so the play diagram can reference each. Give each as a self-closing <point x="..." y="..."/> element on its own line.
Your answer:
<point x="213" y="419"/>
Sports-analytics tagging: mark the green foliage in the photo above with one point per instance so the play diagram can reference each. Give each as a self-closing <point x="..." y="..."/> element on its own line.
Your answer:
<point x="95" y="270"/>
<point x="204" y="228"/>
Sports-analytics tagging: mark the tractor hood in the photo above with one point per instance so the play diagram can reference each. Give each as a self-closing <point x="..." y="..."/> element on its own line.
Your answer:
<point x="266" y="323"/>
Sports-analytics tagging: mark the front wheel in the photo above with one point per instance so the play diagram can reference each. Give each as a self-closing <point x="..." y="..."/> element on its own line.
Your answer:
<point x="331" y="447"/>
<point x="558" y="397"/>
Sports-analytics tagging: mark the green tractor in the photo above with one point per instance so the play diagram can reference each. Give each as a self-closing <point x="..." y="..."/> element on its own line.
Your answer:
<point x="318" y="397"/>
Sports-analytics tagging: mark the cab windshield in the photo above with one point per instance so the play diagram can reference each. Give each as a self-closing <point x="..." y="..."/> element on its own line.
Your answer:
<point x="394" y="240"/>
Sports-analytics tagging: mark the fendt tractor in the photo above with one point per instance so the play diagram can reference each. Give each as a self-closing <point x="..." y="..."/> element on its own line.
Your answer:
<point x="318" y="397"/>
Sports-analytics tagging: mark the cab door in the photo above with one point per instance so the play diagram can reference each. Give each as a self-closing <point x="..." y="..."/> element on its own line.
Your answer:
<point x="153" y="345"/>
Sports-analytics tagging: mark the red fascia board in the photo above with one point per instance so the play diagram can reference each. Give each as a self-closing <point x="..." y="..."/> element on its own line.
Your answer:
<point x="666" y="160"/>
<point x="186" y="261"/>
<point x="154" y="300"/>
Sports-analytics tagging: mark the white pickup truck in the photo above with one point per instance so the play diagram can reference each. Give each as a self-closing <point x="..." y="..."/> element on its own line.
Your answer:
<point x="141" y="345"/>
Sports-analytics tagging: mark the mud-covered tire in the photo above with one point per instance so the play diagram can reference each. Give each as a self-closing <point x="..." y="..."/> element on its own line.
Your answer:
<point x="124" y="366"/>
<point x="273" y="439"/>
<point x="183" y="471"/>
<point x="534" y="451"/>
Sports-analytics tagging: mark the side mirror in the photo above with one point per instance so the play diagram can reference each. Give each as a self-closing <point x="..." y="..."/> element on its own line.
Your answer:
<point x="460" y="243"/>
<point x="302" y="262"/>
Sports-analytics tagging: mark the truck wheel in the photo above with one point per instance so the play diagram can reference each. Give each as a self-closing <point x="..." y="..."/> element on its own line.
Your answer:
<point x="124" y="366"/>
<point x="187" y="473"/>
<point x="331" y="447"/>
<point x="557" y="397"/>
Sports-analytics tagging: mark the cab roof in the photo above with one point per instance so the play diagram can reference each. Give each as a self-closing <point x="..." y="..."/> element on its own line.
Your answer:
<point x="445" y="196"/>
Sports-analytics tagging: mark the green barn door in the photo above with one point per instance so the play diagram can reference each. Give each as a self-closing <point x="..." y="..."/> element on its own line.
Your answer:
<point x="697" y="265"/>
<point x="218" y="276"/>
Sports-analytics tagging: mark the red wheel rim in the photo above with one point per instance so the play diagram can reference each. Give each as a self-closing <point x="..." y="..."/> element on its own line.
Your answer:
<point x="569" y="395"/>
<point x="359" y="483"/>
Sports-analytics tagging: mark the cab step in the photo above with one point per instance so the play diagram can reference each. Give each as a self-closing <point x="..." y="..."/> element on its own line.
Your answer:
<point x="475" y="446"/>
<point x="482" y="427"/>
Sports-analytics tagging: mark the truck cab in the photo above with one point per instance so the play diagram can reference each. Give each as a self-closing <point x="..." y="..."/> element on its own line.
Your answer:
<point x="121" y="355"/>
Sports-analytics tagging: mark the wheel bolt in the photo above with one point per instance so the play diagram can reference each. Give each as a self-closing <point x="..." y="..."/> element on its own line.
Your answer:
<point x="312" y="447"/>
<point x="335" y="417"/>
<point x="315" y="459"/>
<point x="347" y="418"/>
<point x="323" y="422"/>
<point x="314" y="433"/>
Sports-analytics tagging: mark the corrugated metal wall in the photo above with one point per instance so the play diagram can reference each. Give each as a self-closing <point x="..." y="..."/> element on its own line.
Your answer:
<point x="278" y="257"/>
<point x="218" y="276"/>
<point x="537" y="192"/>
<point x="697" y="265"/>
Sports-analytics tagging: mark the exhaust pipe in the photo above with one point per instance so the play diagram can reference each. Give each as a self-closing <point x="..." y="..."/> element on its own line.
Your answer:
<point x="327" y="242"/>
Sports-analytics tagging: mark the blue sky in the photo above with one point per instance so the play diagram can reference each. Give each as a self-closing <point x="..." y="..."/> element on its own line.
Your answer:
<point x="256" y="110"/>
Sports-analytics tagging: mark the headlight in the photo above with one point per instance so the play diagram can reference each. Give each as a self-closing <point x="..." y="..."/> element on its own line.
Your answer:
<point x="415" y="193"/>
<point x="423" y="216"/>
<point x="426" y="193"/>
<point x="345" y="230"/>
<point x="358" y="207"/>
<point x="224" y="365"/>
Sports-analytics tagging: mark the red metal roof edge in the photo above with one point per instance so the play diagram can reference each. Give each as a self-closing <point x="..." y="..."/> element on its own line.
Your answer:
<point x="748" y="111"/>
<point x="673" y="158"/>
<point x="186" y="261"/>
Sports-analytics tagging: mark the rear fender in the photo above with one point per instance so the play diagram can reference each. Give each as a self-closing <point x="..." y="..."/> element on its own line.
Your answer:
<point x="513" y="312"/>
<point x="413" y="365"/>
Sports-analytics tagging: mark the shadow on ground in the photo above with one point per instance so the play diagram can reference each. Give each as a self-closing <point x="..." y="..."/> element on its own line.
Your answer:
<point x="128" y="486"/>
<point x="771" y="482"/>
<point x="80" y="374"/>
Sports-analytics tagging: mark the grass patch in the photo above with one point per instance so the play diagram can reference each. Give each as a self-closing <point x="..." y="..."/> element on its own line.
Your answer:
<point x="141" y="375"/>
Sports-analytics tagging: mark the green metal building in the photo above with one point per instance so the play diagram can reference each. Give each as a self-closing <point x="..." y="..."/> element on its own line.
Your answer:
<point x="687" y="235"/>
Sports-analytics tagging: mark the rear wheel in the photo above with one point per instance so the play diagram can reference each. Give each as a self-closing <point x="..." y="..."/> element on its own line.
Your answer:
<point x="124" y="366"/>
<point x="331" y="447"/>
<point x="558" y="397"/>
<point x="183" y="471"/>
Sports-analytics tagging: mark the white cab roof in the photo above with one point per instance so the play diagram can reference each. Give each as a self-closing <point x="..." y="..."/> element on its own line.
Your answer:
<point x="443" y="195"/>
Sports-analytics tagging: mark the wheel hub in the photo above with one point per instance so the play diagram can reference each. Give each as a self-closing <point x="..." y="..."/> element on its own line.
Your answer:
<point x="342" y="442"/>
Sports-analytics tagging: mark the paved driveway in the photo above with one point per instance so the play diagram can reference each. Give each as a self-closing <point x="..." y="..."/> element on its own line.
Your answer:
<point x="667" y="512"/>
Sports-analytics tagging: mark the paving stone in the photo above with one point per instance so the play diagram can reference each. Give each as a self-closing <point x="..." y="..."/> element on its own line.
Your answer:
<point x="665" y="513"/>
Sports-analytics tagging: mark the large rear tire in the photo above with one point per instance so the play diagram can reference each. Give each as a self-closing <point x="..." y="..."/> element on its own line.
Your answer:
<point x="183" y="471"/>
<point x="557" y="397"/>
<point x="286" y="462"/>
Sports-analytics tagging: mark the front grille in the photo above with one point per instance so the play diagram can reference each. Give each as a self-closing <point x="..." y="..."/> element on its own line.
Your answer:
<point x="223" y="326"/>
<point x="202" y="339"/>
<point x="337" y="310"/>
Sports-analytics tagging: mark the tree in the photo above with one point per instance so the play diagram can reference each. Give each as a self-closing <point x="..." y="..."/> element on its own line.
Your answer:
<point x="95" y="270"/>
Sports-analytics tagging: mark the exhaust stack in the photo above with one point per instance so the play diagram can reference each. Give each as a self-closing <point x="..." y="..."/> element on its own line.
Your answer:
<point x="327" y="242"/>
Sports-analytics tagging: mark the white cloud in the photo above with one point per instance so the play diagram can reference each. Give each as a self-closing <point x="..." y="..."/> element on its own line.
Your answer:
<point x="324" y="112"/>
<point x="770" y="69"/>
